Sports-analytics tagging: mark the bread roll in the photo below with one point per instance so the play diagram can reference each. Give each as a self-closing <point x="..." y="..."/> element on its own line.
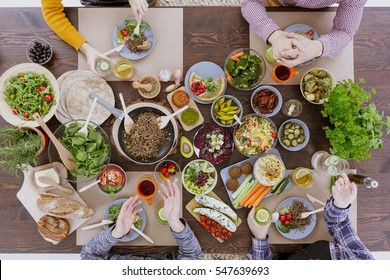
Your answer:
<point x="53" y="229"/>
<point x="63" y="207"/>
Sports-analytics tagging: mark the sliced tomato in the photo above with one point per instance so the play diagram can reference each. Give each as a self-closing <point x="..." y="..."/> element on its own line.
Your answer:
<point x="222" y="236"/>
<point x="208" y="222"/>
<point x="217" y="234"/>
<point x="15" y="111"/>
<point x="229" y="234"/>
<point x="224" y="231"/>
<point x="203" y="218"/>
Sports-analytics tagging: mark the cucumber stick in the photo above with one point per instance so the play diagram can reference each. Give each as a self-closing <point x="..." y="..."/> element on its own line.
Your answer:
<point x="242" y="186"/>
<point x="217" y="216"/>
<point x="244" y="193"/>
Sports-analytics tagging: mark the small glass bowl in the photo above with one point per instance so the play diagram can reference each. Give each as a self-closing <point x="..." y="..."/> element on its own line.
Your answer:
<point x="34" y="45"/>
<point x="160" y="177"/>
<point x="248" y="51"/>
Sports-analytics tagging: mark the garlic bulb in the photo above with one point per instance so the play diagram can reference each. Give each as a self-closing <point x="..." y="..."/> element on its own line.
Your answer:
<point x="177" y="76"/>
<point x="165" y="75"/>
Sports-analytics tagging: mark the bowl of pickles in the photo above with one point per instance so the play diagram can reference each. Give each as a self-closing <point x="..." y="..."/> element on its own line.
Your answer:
<point x="293" y="135"/>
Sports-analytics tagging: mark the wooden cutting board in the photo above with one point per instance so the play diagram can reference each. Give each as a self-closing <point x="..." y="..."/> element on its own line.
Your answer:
<point x="193" y="204"/>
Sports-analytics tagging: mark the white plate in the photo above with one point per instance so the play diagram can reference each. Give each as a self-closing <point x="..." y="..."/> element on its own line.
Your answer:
<point x="125" y="52"/>
<point x="225" y="175"/>
<point x="132" y="235"/>
<point x="296" y="234"/>
<point x="204" y="69"/>
<point x="6" y="110"/>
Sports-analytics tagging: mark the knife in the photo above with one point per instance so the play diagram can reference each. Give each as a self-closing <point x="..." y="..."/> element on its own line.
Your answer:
<point x="147" y="238"/>
<point x="313" y="199"/>
<point x="102" y="223"/>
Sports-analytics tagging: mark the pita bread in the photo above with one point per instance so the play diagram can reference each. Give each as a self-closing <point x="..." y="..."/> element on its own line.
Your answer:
<point x="77" y="86"/>
<point x="62" y="115"/>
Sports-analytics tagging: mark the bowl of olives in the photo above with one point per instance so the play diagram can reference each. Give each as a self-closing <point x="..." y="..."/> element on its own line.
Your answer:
<point x="39" y="51"/>
<point x="293" y="135"/>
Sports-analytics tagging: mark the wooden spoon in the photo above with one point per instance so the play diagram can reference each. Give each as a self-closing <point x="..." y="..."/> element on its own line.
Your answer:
<point x="137" y="85"/>
<point x="65" y="155"/>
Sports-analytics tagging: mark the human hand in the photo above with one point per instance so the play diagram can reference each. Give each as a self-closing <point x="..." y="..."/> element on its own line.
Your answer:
<point x="303" y="50"/>
<point x="139" y="8"/>
<point x="91" y="54"/>
<point x="126" y="217"/>
<point x="260" y="231"/>
<point x="280" y="43"/>
<point x="344" y="192"/>
<point x="171" y="198"/>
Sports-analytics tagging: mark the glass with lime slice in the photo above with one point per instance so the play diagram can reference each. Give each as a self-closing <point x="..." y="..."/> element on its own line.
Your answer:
<point x="124" y="69"/>
<point x="269" y="56"/>
<point x="262" y="215"/>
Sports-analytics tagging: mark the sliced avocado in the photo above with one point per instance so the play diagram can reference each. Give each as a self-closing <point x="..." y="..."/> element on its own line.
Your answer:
<point x="186" y="148"/>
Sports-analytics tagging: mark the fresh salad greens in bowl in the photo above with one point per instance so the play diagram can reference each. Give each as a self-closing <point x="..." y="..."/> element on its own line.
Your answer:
<point x="244" y="69"/>
<point x="199" y="177"/>
<point x="91" y="152"/>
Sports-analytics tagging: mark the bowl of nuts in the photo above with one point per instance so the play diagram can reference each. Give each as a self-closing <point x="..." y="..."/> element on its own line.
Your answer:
<point x="266" y="101"/>
<point x="39" y="51"/>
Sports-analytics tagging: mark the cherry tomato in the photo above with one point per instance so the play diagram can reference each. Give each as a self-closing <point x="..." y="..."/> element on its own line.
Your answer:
<point x="26" y="115"/>
<point x="15" y="111"/>
<point x="212" y="230"/>
<point x="21" y="78"/>
<point x="207" y="227"/>
<point x="286" y="222"/>
<point x="42" y="88"/>
<point x="224" y="231"/>
<point x="214" y="223"/>
<point x="229" y="234"/>
<point x="222" y="236"/>
<point x="217" y="234"/>
<point x="266" y="147"/>
<point x="203" y="218"/>
<point x="125" y="32"/>
<point x="273" y="134"/>
<point x="208" y="222"/>
<point x="288" y="217"/>
<point x="202" y="224"/>
<point x="219" y="226"/>
<point x="282" y="218"/>
<point x="48" y="98"/>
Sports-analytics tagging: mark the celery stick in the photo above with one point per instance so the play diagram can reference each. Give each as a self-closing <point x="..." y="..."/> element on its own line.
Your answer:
<point x="244" y="193"/>
<point x="242" y="186"/>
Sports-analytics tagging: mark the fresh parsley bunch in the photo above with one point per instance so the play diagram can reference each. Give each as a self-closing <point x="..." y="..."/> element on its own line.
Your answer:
<point x="357" y="124"/>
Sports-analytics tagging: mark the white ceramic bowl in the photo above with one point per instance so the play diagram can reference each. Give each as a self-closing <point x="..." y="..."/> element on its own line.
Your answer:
<point x="305" y="130"/>
<point x="235" y="102"/>
<point x="208" y="189"/>
<point x="6" y="110"/>
<point x="278" y="106"/>
<point x="301" y="85"/>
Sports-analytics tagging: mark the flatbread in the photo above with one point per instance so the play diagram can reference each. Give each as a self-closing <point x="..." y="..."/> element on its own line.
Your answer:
<point x="62" y="114"/>
<point x="77" y="87"/>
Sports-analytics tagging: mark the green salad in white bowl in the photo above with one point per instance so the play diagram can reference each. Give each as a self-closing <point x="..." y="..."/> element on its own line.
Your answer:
<point x="199" y="177"/>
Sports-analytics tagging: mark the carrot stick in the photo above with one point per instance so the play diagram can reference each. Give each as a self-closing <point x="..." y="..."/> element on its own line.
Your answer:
<point x="254" y="196"/>
<point x="237" y="55"/>
<point x="234" y="58"/>
<point x="228" y="76"/>
<point x="255" y="188"/>
<point x="257" y="201"/>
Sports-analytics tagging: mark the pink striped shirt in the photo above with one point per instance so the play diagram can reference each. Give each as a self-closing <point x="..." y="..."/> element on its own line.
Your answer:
<point x="345" y="24"/>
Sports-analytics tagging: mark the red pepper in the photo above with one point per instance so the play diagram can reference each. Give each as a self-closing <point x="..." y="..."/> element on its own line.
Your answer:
<point x="198" y="88"/>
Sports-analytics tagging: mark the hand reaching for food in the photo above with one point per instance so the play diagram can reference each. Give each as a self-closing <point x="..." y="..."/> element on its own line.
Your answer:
<point x="171" y="196"/>
<point x="344" y="192"/>
<point x="303" y="50"/>
<point x="260" y="231"/>
<point x="126" y="217"/>
<point x="139" y="8"/>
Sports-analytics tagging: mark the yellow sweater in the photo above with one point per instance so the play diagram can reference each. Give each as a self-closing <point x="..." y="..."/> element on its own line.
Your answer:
<point x="52" y="11"/>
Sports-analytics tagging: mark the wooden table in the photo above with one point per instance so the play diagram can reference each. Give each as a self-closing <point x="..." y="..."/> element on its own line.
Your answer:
<point x="209" y="34"/>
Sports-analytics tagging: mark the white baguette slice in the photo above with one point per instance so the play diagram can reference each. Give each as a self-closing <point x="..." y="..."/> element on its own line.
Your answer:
<point x="217" y="216"/>
<point x="216" y="204"/>
<point x="63" y="207"/>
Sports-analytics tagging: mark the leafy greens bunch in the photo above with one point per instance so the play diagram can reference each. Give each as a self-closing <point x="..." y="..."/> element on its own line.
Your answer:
<point x="357" y="124"/>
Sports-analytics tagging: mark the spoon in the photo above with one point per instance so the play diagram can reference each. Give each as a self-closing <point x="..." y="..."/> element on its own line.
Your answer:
<point x="90" y="185"/>
<point x="54" y="185"/>
<point x="164" y="120"/>
<point x="84" y="129"/>
<point x="128" y="123"/>
<point x="307" y="214"/>
<point x="137" y="85"/>
<point x="102" y="223"/>
<point x="65" y="155"/>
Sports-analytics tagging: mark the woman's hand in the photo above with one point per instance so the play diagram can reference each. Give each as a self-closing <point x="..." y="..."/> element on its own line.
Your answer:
<point x="91" y="54"/>
<point x="126" y="217"/>
<point x="139" y="8"/>
<point x="171" y="196"/>
<point x="344" y="192"/>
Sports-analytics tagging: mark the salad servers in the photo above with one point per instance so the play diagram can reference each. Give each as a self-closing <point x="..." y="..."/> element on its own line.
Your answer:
<point x="164" y="120"/>
<point x="65" y="155"/>
<point x="102" y="223"/>
<point x="128" y="123"/>
<point x="84" y="129"/>
<point x="147" y="238"/>
<point x="54" y="185"/>
<point x="307" y="214"/>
